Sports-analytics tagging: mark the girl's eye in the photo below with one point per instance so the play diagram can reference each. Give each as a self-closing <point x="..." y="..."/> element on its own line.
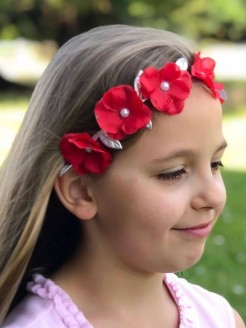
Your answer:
<point x="216" y="165"/>
<point x="171" y="175"/>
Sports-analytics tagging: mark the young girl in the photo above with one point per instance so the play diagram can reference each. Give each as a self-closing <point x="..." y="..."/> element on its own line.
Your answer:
<point x="113" y="185"/>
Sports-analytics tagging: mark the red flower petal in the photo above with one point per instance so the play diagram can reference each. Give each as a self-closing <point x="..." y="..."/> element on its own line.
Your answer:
<point x="159" y="99"/>
<point x="149" y="80"/>
<point x="178" y="87"/>
<point x="170" y="72"/>
<point x="176" y="107"/>
<point x="111" y="116"/>
<point x="85" y="154"/>
<point x="180" y="90"/>
<point x="107" y="117"/>
<point x="97" y="162"/>
<point x="116" y="98"/>
<point x="203" y="69"/>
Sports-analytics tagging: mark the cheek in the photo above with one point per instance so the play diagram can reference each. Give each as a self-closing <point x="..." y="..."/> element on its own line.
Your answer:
<point x="157" y="211"/>
<point x="138" y="206"/>
<point x="168" y="213"/>
<point x="221" y="194"/>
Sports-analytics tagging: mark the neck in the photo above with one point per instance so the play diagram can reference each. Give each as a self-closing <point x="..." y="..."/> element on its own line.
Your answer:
<point x="93" y="278"/>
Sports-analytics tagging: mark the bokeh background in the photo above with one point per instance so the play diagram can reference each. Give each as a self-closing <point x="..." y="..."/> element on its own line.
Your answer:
<point x="32" y="30"/>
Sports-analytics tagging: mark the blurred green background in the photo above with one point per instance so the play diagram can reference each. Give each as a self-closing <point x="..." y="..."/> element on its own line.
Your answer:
<point x="32" y="30"/>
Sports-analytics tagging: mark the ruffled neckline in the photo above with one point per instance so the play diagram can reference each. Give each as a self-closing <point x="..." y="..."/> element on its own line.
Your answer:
<point x="186" y="313"/>
<point x="68" y="312"/>
<point x="72" y="317"/>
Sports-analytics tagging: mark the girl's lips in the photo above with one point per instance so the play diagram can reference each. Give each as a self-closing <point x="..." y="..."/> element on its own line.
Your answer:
<point x="198" y="231"/>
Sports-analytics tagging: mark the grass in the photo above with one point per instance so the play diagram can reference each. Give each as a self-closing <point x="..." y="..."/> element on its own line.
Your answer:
<point x="222" y="268"/>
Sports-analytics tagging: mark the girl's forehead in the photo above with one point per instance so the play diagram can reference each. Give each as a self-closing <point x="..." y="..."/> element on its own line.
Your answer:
<point x="200" y="110"/>
<point x="198" y="127"/>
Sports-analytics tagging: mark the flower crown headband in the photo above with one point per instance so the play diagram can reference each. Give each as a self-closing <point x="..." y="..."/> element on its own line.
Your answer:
<point x="122" y="111"/>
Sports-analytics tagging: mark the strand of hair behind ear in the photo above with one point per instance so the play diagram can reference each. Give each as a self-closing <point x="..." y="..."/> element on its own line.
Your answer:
<point x="26" y="180"/>
<point x="16" y="265"/>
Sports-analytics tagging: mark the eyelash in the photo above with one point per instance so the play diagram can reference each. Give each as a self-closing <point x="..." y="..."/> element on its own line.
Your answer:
<point x="175" y="175"/>
<point x="171" y="175"/>
<point x="216" y="165"/>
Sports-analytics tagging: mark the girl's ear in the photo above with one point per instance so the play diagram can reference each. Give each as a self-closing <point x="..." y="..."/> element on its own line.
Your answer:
<point x="76" y="196"/>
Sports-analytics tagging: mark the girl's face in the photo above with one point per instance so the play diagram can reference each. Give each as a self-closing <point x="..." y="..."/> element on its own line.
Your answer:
<point x="159" y="199"/>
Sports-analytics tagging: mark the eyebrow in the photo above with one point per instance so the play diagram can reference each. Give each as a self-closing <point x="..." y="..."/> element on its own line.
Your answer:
<point x="185" y="152"/>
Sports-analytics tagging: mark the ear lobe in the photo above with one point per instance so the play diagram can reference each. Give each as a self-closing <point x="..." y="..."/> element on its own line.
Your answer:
<point x="75" y="194"/>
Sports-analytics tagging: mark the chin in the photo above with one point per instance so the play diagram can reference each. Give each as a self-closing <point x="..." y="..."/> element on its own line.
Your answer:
<point x="190" y="260"/>
<point x="186" y="258"/>
<point x="182" y="265"/>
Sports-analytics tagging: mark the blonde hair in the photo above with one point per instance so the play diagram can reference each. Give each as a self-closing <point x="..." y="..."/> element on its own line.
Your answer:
<point x="63" y="101"/>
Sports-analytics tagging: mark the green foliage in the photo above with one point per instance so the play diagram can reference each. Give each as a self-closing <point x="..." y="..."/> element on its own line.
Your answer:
<point x="61" y="19"/>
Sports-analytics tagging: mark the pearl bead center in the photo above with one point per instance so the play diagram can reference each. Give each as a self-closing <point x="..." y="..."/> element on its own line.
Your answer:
<point x="165" y="86"/>
<point x="88" y="150"/>
<point x="124" y="112"/>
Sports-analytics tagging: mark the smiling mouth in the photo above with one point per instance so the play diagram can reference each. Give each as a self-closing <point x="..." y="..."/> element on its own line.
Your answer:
<point x="202" y="230"/>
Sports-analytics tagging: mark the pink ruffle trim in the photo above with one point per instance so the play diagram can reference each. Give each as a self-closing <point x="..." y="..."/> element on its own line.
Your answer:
<point x="182" y="301"/>
<point x="64" y="306"/>
<point x="73" y="318"/>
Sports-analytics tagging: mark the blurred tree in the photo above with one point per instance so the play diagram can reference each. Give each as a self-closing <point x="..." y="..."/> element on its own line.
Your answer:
<point x="61" y="19"/>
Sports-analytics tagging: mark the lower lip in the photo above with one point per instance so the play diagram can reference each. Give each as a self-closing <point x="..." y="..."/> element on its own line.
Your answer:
<point x="197" y="232"/>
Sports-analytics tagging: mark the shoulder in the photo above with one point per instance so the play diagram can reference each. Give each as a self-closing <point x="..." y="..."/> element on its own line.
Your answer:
<point x="239" y="320"/>
<point x="47" y="305"/>
<point x="209" y="307"/>
<point x="32" y="312"/>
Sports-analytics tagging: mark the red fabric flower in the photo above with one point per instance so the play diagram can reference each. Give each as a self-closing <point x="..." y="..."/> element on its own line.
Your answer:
<point x="203" y="69"/>
<point x="121" y="112"/>
<point x="166" y="88"/>
<point x="85" y="154"/>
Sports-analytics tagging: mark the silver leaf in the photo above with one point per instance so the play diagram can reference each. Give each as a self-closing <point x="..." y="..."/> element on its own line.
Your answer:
<point x="223" y="94"/>
<point x="136" y="82"/>
<point x="182" y="63"/>
<point x="149" y="125"/>
<point x="64" y="169"/>
<point x="137" y="86"/>
<point x="109" y="142"/>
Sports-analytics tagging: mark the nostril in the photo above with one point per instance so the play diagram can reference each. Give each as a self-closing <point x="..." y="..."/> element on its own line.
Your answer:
<point x="209" y="194"/>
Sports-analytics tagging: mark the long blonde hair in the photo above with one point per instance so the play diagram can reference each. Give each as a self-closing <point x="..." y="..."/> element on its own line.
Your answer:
<point x="63" y="101"/>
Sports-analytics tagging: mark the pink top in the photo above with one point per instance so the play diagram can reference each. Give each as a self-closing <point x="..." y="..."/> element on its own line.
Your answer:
<point x="50" y="306"/>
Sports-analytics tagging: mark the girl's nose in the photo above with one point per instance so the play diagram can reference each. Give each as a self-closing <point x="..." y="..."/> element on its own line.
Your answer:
<point x="209" y="192"/>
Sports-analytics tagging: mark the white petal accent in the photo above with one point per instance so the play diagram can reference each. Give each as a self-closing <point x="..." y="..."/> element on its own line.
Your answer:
<point x="64" y="169"/>
<point x="182" y="63"/>
<point x="109" y="142"/>
<point x="149" y="125"/>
